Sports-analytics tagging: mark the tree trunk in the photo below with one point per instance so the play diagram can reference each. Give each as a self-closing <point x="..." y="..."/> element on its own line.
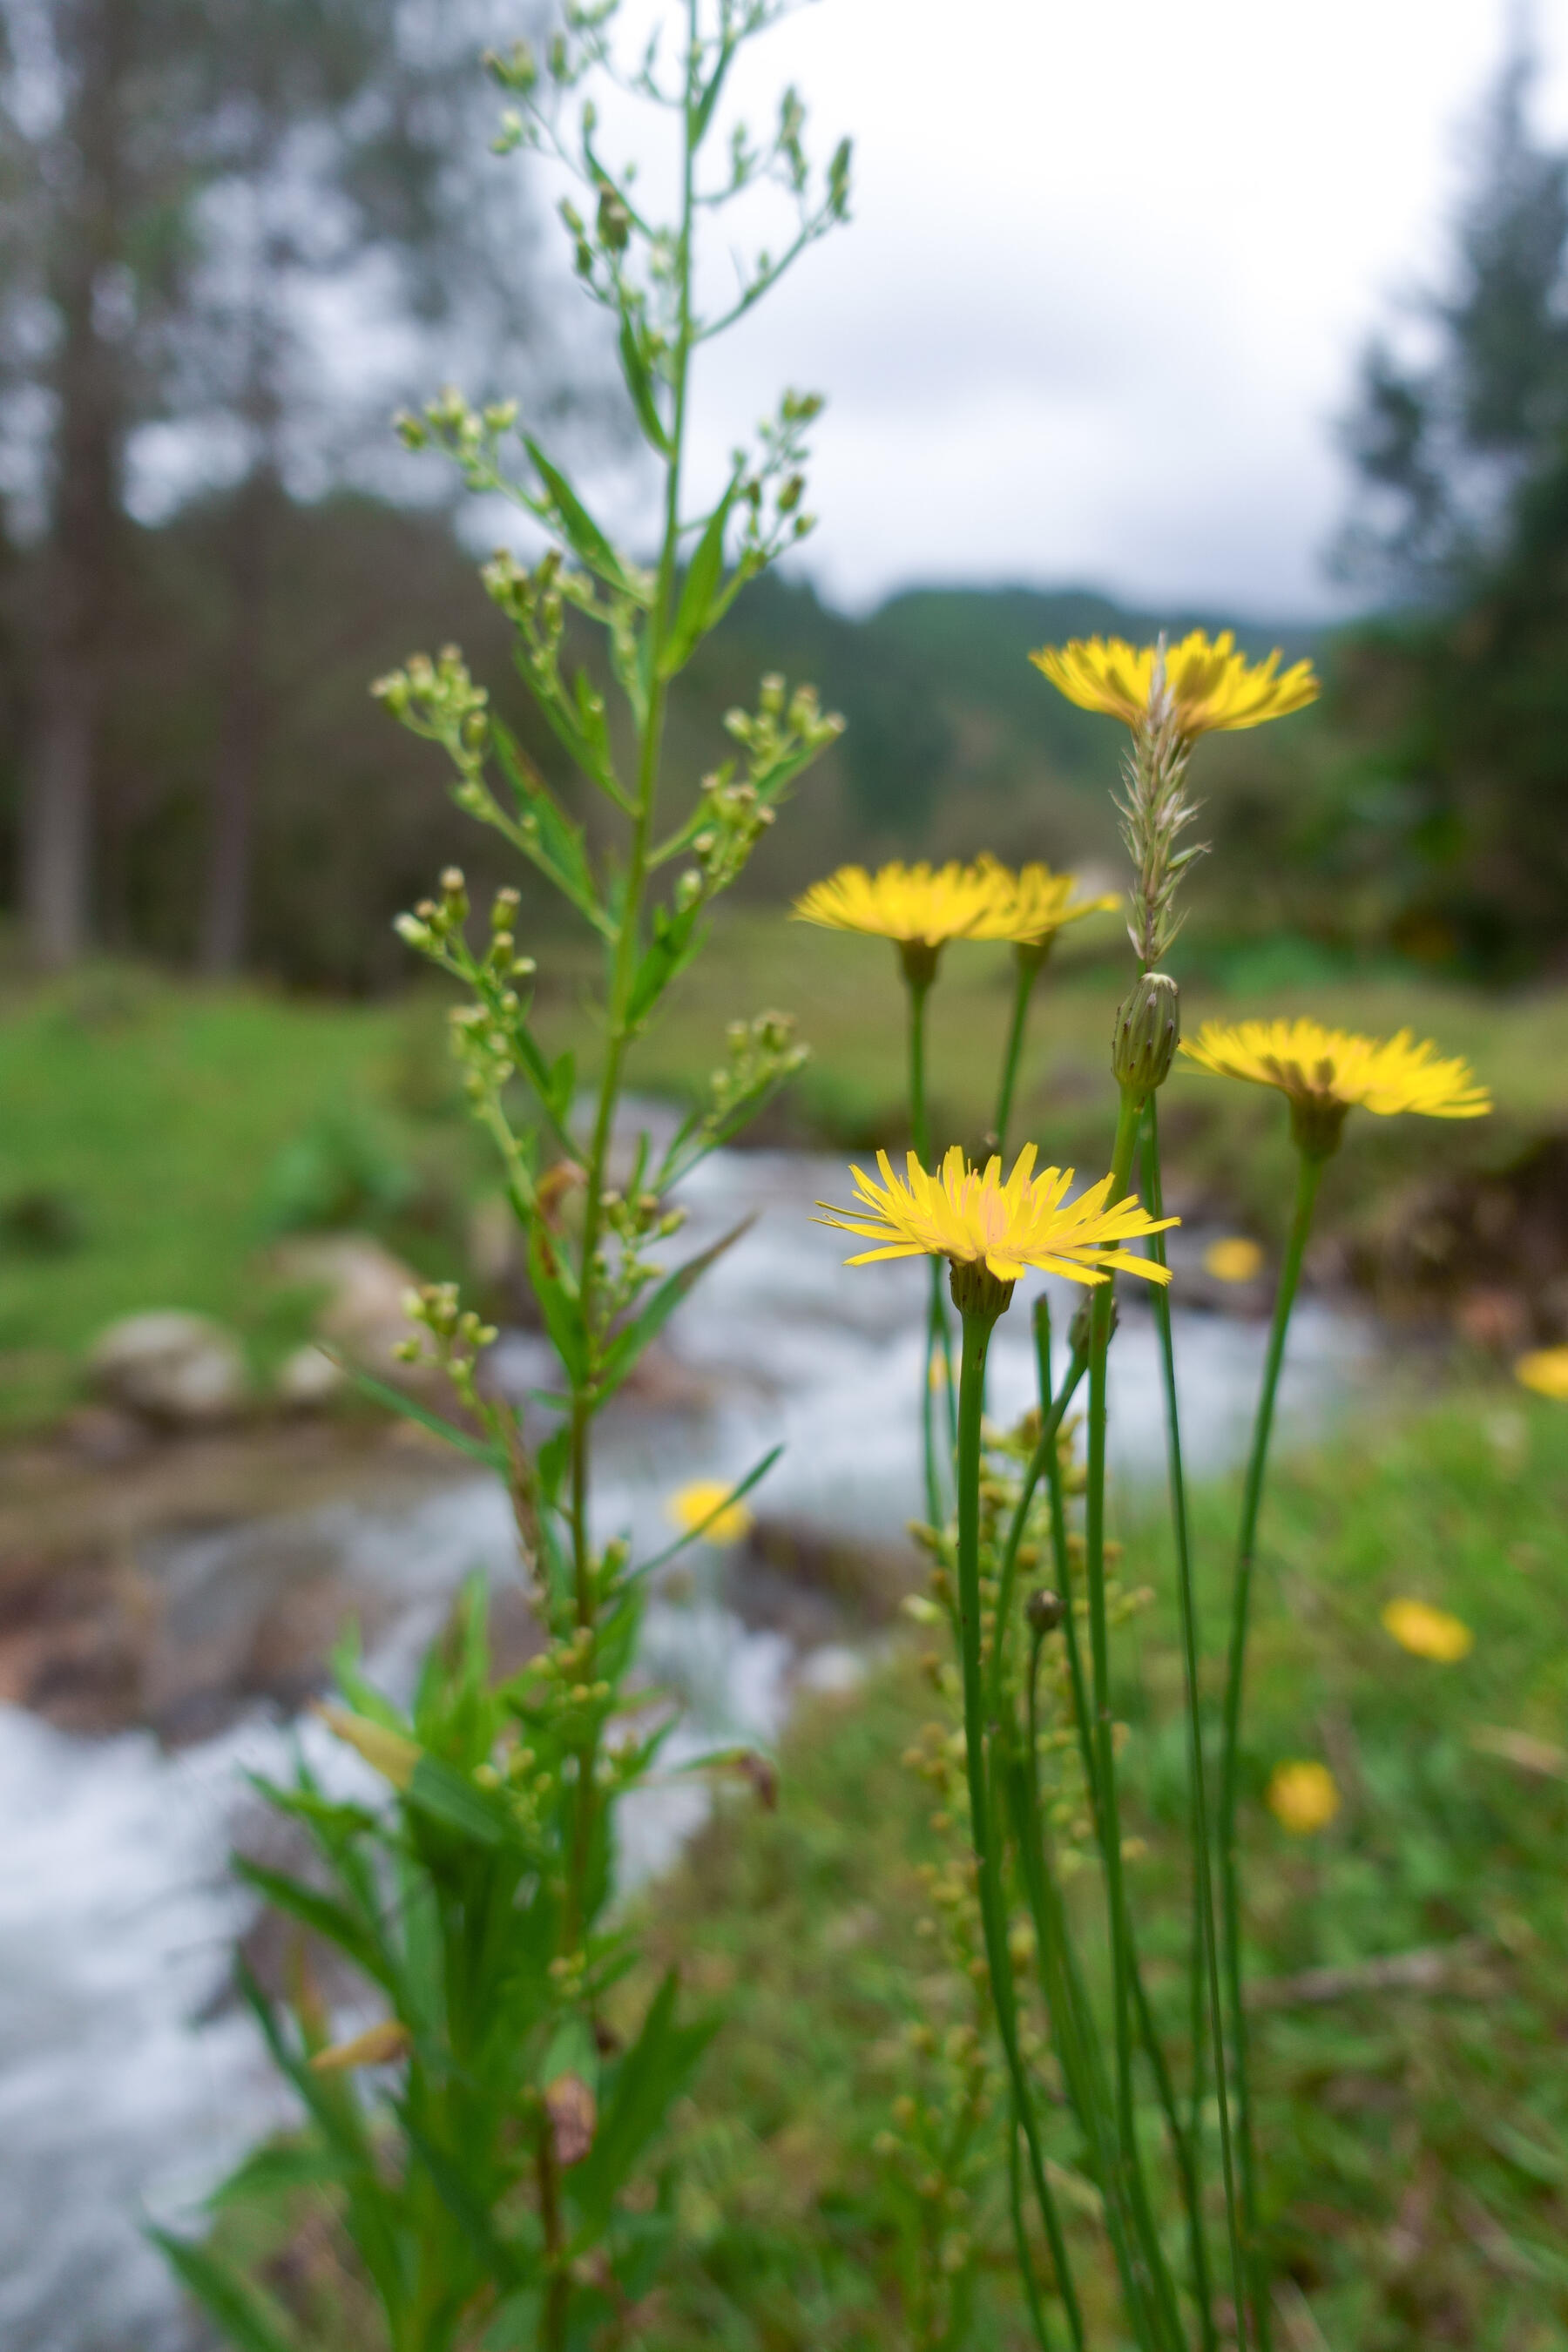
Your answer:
<point x="73" y="638"/>
<point x="57" y="816"/>
<point x="226" y="907"/>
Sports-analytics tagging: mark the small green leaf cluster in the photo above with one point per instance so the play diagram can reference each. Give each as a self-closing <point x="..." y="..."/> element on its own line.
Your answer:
<point x="521" y="2119"/>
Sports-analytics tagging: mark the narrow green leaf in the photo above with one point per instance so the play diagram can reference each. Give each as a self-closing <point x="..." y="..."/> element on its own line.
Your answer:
<point x="466" y="2209"/>
<point x="320" y="1914"/>
<point x="654" y="2070"/>
<point x="478" y="1449"/>
<point x="452" y="1799"/>
<point x="676" y="939"/>
<point x="559" y="1306"/>
<point x="248" y="2319"/>
<point x="548" y="837"/>
<point x="551" y="1462"/>
<point x="634" y="1336"/>
<point x="640" y="385"/>
<point x="278" y="2170"/>
<point x="691" y="615"/>
<point x="588" y="542"/>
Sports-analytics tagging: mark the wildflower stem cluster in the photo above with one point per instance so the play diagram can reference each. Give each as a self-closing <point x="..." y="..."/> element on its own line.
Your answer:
<point x="1038" y="1669"/>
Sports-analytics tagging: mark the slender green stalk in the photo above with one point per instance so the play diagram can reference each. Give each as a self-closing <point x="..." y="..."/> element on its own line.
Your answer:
<point x="978" y="1327"/>
<point x="1021" y="2238"/>
<point x="1029" y="962"/>
<point x="623" y="974"/>
<point x="1205" y="1969"/>
<point x="1104" y="1728"/>
<point x="1052" y="1411"/>
<point x="1309" y="1177"/>
<point x="919" y="964"/>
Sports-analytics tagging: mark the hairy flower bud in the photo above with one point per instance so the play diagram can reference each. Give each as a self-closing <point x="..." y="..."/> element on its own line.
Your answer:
<point x="1148" y="1024"/>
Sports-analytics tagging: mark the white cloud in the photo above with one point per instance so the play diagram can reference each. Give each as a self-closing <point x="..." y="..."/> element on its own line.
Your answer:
<point x="1108" y="275"/>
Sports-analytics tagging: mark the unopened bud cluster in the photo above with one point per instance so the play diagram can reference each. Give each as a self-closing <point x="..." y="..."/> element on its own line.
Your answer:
<point x="439" y="699"/>
<point x="762" y="1054"/>
<point x="454" y="1337"/>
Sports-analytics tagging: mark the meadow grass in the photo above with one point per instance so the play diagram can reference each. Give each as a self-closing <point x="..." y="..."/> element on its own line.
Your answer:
<point x="1416" y="2140"/>
<point x="156" y="1114"/>
<point x="152" y="1117"/>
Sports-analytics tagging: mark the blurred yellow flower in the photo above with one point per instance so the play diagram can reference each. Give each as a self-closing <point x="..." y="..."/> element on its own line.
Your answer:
<point x="1544" y="1369"/>
<point x="1334" y="1068"/>
<point x="1209" y="687"/>
<point x="1302" y="1797"/>
<point x="972" y="1217"/>
<point x="1029" y="907"/>
<point x="912" y="905"/>
<point x="1235" y="1259"/>
<point x="1428" y="1632"/>
<point x="690" y="1506"/>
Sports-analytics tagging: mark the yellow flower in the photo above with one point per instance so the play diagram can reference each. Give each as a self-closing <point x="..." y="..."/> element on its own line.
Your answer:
<point x="1211" y="688"/>
<point x="1030" y="906"/>
<point x="1428" y="1632"/>
<point x="1235" y="1259"/>
<point x="691" y="1505"/>
<point x="1302" y="1797"/>
<point x="1544" y="1369"/>
<point x="974" y="1218"/>
<point x="914" y="906"/>
<point x="1332" y="1070"/>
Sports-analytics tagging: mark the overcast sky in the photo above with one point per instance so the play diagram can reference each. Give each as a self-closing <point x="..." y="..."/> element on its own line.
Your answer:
<point x="1110" y="268"/>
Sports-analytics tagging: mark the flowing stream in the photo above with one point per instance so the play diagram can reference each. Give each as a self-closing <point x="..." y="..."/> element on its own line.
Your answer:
<point x="128" y="2079"/>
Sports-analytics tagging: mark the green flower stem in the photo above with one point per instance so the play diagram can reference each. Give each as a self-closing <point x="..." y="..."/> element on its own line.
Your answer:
<point x="1204" y="1975"/>
<point x="919" y="964"/>
<point x="978" y="1327"/>
<point x="1109" y="1814"/>
<point x="1068" y="2006"/>
<point x="1040" y="1462"/>
<point x="1021" y="2239"/>
<point x="1309" y="1177"/>
<point x="1029" y="962"/>
<point x="1062" y="1564"/>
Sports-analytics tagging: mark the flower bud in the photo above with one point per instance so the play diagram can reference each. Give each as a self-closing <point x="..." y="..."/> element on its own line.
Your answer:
<point x="1148" y="1024"/>
<point x="1045" y="1611"/>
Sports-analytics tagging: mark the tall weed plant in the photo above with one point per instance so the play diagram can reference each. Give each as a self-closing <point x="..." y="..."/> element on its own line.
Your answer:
<point x="488" y="2146"/>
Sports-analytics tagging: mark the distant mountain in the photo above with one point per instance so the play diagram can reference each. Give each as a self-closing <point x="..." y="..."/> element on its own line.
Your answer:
<point x="939" y="696"/>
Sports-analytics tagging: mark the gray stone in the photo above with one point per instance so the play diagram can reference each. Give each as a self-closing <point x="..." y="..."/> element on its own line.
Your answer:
<point x="173" y="1366"/>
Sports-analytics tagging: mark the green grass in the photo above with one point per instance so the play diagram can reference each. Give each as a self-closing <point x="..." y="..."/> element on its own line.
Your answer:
<point x="154" y="1116"/>
<point x="1416" y="2142"/>
<point x="151" y="1117"/>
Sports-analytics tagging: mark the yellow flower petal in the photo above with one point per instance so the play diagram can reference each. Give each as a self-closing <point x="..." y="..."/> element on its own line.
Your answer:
<point x="908" y="904"/>
<point x="1302" y="1795"/>
<point x="969" y="1215"/>
<point x="1209" y="687"/>
<point x="1544" y="1369"/>
<point x="1428" y="1632"/>
<point x="1315" y="1066"/>
<point x="1029" y="907"/>
<point x="1235" y="1259"/>
<point x="690" y="1505"/>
